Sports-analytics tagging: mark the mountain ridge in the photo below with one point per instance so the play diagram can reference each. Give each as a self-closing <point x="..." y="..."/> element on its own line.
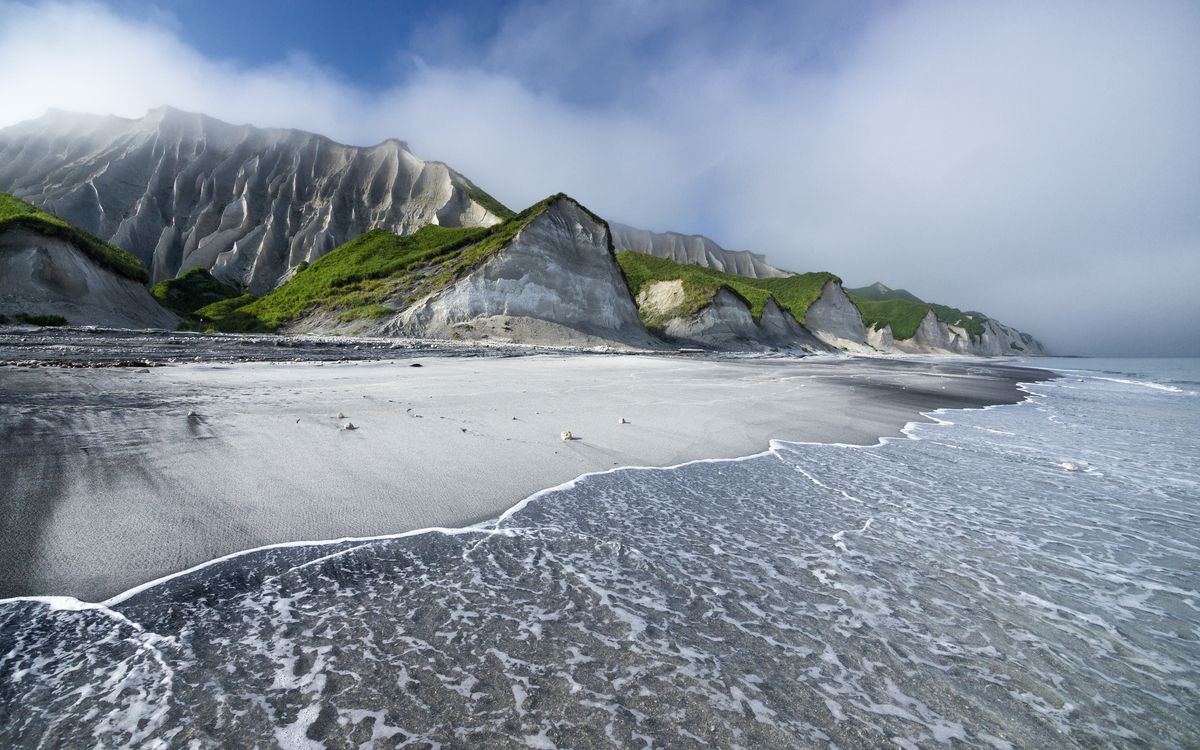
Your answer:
<point x="235" y="223"/>
<point x="182" y="190"/>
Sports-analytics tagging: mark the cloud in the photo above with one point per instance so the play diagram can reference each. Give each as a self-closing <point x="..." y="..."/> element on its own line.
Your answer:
<point x="1037" y="161"/>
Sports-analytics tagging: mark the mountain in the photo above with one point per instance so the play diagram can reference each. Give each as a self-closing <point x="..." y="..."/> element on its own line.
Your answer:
<point x="545" y="276"/>
<point x="694" y="249"/>
<point x="181" y="190"/>
<point x="250" y="229"/>
<point x="899" y="320"/>
<point x="53" y="272"/>
<point x="879" y="292"/>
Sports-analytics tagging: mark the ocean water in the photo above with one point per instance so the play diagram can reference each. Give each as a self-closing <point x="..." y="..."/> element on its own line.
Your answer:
<point x="1023" y="576"/>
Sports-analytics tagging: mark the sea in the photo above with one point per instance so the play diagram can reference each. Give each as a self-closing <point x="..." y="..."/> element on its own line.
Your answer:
<point x="1022" y="576"/>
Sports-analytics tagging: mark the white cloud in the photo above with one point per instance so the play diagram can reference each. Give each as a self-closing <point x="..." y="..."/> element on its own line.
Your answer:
<point x="1038" y="161"/>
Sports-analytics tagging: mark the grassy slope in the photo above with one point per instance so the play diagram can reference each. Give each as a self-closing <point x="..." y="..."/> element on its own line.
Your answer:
<point x="905" y="315"/>
<point x="355" y="279"/>
<point x="190" y="291"/>
<point x="15" y="212"/>
<point x="793" y="293"/>
<point x="874" y="293"/>
<point x="481" y="197"/>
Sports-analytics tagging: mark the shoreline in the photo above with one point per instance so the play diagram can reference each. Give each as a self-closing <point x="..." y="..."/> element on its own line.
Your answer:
<point x="491" y="525"/>
<point x="844" y="401"/>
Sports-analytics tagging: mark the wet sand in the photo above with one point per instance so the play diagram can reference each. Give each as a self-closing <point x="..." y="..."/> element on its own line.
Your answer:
<point x="116" y="476"/>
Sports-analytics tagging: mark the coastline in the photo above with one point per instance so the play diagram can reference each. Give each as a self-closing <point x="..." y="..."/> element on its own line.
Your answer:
<point x="449" y="445"/>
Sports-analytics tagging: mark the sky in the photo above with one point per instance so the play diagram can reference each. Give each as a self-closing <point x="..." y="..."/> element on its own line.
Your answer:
<point x="1039" y="161"/>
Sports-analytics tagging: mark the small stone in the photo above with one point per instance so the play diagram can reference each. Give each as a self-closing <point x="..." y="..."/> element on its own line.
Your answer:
<point x="192" y="415"/>
<point x="566" y="435"/>
<point x="415" y="364"/>
<point x="622" y="420"/>
<point x="1068" y="466"/>
<point x="341" y="415"/>
<point x="349" y="426"/>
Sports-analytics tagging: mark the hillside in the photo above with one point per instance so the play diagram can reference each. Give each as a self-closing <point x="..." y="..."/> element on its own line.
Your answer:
<point x="52" y="273"/>
<point x="794" y="294"/>
<point x="190" y="291"/>
<point x="372" y="276"/>
<point x="15" y="213"/>
<point x="904" y="311"/>
<point x="879" y="292"/>
<point x="181" y="190"/>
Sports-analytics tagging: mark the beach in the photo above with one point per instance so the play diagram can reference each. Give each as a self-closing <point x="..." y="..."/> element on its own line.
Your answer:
<point x="117" y="476"/>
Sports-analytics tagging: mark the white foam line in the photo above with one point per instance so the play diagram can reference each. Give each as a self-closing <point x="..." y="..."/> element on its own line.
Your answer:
<point x="493" y="526"/>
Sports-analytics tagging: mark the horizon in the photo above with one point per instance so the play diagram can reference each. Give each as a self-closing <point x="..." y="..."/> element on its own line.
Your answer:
<point x="979" y="157"/>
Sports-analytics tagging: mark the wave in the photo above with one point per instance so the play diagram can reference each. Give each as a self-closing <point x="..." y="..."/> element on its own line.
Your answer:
<point x="954" y="583"/>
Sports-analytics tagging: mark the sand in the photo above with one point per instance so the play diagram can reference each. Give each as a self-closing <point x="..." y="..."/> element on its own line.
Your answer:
<point x="113" y="477"/>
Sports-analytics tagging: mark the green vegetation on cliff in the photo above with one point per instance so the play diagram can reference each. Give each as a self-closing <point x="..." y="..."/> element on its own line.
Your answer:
<point x="371" y="276"/>
<point x="190" y="291"/>
<point x="481" y="197"/>
<point x="879" y="292"/>
<point x="904" y="311"/>
<point x="700" y="285"/>
<point x="15" y="213"/>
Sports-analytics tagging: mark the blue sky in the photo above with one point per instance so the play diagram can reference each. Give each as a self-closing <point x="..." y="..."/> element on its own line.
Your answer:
<point x="375" y="44"/>
<point x="1039" y="161"/>
<point x="368" y="43"/>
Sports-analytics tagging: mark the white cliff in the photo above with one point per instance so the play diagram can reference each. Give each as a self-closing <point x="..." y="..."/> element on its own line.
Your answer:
<point x="694" y="249"/>
<point x="556" y="282"/>
<point x="181" y="190"/>
<point x="836" y="321"/>
<point x="725" y="323"/>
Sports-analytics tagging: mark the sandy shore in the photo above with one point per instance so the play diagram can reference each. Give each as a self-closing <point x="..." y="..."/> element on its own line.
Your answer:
<point x="108" y="482"/>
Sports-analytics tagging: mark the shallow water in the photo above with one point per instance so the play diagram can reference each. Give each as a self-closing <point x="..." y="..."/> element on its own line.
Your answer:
<point x="961" y="588"/>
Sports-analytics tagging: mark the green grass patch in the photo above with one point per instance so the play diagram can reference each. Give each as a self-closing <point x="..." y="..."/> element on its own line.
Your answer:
<point x="904" y="311"/>
<point x="879" y="292"/>
<point x="15" y="213"/>
<point x="700" y="285"/>
<point x="357" y="279"/>
<point x="904" y="316"/>
<point x="227" y="315"/>
<point x="190" y="291"/>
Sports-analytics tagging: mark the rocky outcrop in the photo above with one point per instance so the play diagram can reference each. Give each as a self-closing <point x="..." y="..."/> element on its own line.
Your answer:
<point x="182" y="190"/>
<point x="694" y="249"/>
<point x="42" y="275"/>
<point x="934" y="336"/>
<point x="1001" y="340"/>
<point x="881" y="338"/>
<point x="836" y="321"/>
<point x="725" y="323"/>
<point x="557" y="282"/>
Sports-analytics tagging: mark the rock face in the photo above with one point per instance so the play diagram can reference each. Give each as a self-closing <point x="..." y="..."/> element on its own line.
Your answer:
<point x="694" y="249"/>
<point x="726" y="323"/>
<point x="180" y="190"/>
<point x="934" y="336"/>
<point x="557" y="282"/>
<point x="836" y="321"/>
<point x="1001" y="340"/>
<point x="41" y="275"/>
